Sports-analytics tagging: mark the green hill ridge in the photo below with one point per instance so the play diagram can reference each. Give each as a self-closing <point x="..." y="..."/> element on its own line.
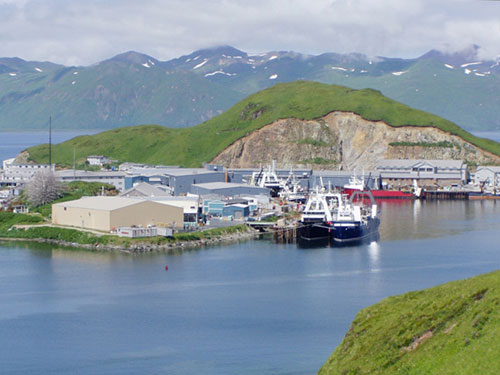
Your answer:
<point x="191" y="147"/>
<point x="449" y="329"/>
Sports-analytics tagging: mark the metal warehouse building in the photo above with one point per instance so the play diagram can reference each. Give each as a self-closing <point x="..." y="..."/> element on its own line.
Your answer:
<point x="106" y="213"/>
<point x="228" y="189"/>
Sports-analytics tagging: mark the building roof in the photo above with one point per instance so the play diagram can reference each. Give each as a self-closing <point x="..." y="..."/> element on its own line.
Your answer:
<point x="79" y="173"/>
<point x="189" y="172"/>
<point x="417" y="176"/>
<point x="224" y="185"/>
<point x="189" y="204"/>
<point x="494" y="169"/>
<point x="100" y="203"/>
<point x="333" y="173"/>
<point x="404" y="163"/>
<point x="146" y="190"/>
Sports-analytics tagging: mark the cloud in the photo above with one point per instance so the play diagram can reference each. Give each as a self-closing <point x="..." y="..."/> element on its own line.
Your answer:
<point x="74" y="32"/>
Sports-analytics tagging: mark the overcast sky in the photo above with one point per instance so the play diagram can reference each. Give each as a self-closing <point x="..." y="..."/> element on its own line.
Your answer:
<point x="83" y="32"/>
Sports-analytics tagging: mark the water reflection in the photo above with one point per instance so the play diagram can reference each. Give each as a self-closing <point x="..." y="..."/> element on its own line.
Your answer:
<point x="374" y="254"/>
<point x="403" y="220"/>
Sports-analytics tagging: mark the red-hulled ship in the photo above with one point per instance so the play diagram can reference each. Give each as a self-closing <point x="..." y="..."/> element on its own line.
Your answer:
<point x="356" y="184"/>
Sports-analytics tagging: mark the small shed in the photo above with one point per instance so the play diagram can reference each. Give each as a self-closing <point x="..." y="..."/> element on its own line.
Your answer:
<point x="237" y="211"/>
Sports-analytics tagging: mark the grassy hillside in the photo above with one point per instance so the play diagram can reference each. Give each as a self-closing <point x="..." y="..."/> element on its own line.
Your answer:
<point x="193" y="146"/>
<point x="450" y="329"/>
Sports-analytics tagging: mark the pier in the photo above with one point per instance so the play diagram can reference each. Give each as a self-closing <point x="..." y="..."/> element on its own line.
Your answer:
<point x="286" y="234"/>
<point x="459" y="195"/>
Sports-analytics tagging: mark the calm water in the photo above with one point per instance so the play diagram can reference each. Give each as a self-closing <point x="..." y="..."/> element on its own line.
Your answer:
<point x="249" y="308"/>
<point x="495" y="135"/>
<point x="12" y="143"/>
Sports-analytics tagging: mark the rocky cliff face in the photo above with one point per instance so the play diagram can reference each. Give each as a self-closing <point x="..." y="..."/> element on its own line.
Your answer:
<point x="345" y="141"/>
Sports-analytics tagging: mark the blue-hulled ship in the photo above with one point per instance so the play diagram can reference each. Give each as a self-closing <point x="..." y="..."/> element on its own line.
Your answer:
<point x="337" y="217"/>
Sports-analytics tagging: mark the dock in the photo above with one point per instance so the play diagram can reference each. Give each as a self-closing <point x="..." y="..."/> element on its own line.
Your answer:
<point x="447" y="195"/>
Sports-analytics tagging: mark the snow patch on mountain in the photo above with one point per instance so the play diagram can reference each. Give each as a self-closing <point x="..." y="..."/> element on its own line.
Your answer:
<point x="274" y="76"/>
<point x="38" y="69"/>
<point x="146" y="65"/>
<point x="339" y="68"/>
<point x="220" y="72"/>
<point x="273" y="57"/>
<point x="449" y="66"/>
<point x="399" y="73"/>
<point x="201" y="64"/>
<point x="469" y="64"/>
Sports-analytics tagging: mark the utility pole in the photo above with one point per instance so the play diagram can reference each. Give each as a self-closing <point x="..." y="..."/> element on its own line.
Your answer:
<point x="50" y="142"/>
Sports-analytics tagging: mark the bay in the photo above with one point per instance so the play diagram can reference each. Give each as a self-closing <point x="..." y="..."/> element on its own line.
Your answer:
<point x="494" y="135"/>
<point x="12" y="143"/>
<point x="253" y="307"/>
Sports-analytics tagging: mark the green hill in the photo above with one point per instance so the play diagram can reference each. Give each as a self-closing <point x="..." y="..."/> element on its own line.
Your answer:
<point x="450" y="329"/>
<point x="193" y="146"/>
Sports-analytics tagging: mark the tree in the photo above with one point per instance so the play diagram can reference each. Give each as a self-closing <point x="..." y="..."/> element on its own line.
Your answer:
<point x="44" y="188"/>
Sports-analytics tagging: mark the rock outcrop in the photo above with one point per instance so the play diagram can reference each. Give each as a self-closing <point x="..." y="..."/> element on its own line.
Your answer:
<point x="346" y="141"/>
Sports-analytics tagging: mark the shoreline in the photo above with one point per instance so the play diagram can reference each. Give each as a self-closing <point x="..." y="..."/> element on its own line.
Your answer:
<point x="146" y="247"/>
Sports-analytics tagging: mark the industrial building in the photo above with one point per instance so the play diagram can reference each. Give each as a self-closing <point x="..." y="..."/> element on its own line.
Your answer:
<point x="115" y="178"/>
<point x="439" y="173"/>
<point x="190" y="205"/>
<point x="179" y="180"/>
<point x="487" y="175"/>
<point x="143" y="189"/>
<point x="107" y="213"/>
<point x="99" y="160"/>
<point x="228" y="189"/>
<point x="20" y="174"/>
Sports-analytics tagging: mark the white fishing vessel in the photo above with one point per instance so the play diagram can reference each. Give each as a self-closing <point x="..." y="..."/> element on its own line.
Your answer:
<point x="335" y="216"/>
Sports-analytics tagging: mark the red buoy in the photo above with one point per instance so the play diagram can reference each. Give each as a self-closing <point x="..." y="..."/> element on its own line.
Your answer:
<point x="166" y="268"/>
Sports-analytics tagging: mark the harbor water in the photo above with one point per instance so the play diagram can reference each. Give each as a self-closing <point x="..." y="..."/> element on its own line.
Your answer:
<point x="253" y="307"/>
<point x="12" y="143"/>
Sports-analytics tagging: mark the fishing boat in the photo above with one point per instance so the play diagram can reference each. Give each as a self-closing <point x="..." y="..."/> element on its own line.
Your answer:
<point x="291" y="191"/>
<point x="358" y="184"/>
<point x="338" y="217"/>
<point x="267" y="178"/>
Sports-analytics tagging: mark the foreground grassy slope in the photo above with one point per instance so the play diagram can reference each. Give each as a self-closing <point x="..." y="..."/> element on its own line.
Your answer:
<point x="450" y="329"/>
<point x="192" y="146"/>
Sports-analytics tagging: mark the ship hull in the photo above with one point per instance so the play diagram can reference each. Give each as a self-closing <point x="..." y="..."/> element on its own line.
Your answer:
<point x="384" y="194"/>
<point x="341" y="232"/>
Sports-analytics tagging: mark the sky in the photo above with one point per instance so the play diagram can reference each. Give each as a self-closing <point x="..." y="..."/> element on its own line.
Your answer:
<point x="84" y="32"/>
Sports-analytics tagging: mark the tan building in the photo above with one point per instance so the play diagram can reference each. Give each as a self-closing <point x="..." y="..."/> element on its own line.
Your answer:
<point x="107" y="213"/>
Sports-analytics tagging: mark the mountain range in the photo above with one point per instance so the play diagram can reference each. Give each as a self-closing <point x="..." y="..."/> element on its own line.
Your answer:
<point x="133" y="88"/>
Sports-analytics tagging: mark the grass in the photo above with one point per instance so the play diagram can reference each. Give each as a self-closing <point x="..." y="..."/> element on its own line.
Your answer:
<point x="313" y="142"/>
<point x="9" y="219"/>
<point x="318" y="161"/>
<point x="450" y="329"/>
<point x="191" y="147"/>
<point x="443" y="144"/>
